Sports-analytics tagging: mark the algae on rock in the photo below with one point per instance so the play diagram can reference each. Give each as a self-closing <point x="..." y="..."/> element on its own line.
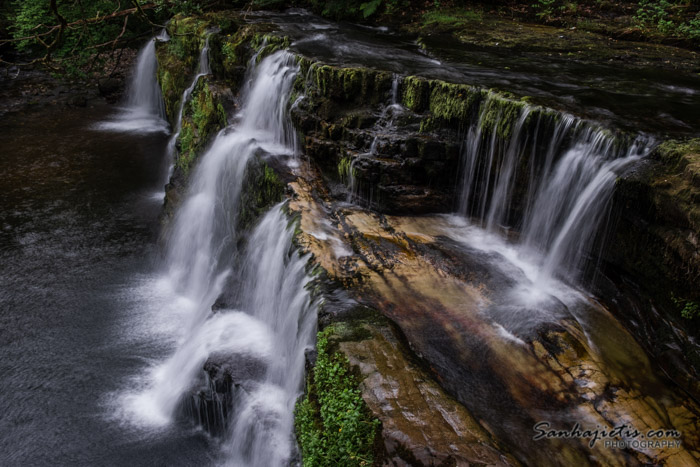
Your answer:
<point x="203" y="117"/>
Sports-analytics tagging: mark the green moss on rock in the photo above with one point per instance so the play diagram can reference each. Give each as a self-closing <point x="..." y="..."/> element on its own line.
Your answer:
<point x="187" y="143"/>
<point x="500" y="114"/>
<point x="351" y="84"/>
<point x="203" y="117"/>
<point x="272" y="43"/>
<point x="261" y="189"/>
<point x="415" y="93"/>
<point x="453" y="101"/>
<point x="178" y="58"/>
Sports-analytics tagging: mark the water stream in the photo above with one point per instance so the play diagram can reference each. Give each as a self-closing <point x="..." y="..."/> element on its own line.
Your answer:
<point x="270" y="321"/>
<point x="143" y="110"/>
<point x="550" y="180"/>
<point x="203" y="69"/>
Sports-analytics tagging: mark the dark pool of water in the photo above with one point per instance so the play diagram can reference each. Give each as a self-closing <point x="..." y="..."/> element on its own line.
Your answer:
<point x="78" y="228"/>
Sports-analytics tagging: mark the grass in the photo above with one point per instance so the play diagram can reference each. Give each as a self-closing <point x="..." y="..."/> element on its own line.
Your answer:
<point x="452" y="18"/>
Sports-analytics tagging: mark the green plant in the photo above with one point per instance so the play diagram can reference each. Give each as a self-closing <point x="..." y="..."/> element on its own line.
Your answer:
<point x="689" y="309"/>
<point x="652" y="12"/>
<point x="353" y="9"/>
<point x="345" y="170"/>
<point x="368" y="8"/>
<point x="454" y="18"/>
<point x="657" y="14"/>
<point x="334" y="427"/>
<point x="691" y="29"/>
<point x="545" y="7"/>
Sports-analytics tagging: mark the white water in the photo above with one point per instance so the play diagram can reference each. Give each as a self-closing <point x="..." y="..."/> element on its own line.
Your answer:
<point x="274" y="276"/>
<point x="564" y="195"/>
<point x="384" y="124"/>
<point x="143" y="110"/>
<point x="269" y="317"/>
<point x="203" y="69"/>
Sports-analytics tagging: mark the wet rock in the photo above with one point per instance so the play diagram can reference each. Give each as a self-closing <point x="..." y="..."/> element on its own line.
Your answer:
<point x="226" y="371"/>
<point x="77" y="101"/>
<point x="509" y="365"/>
<point x="110" y="88"/>
<point x="210" y="406"/>
<point x="421" y="424"/>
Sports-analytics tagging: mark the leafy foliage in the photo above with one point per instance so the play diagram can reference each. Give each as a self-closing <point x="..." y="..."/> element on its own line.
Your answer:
<point x="356" y="9"/>
<point x="333" y="425"/>
<point x="73" y="33"/>
<point x="545" y="8"/>
<point x="451" y="18"/>
<point x="667" y="18"/>
<point x="689" y="309"/>
<point x="370" y="7"/>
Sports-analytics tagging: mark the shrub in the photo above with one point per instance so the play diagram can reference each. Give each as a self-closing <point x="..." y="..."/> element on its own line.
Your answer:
<point x="334" y="426"/>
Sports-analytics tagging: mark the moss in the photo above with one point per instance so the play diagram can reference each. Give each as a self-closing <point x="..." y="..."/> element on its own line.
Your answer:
<point x="206" y="115"/>
<point x="221" y="112"/>
<point x="272" y="42"/>
<point x="351" y="84"/>
<point x="452" y="101"/>
<point x="677" y="184"/>
<point x="345" y="168"/>
<point x="674" y="152"/>
<point x="500" y="114"/>
<point x="178" y="58"/>
<point x="232" y="49"/>
<point x="261" y="189"/>
<point x="333" y="424"/>
<point x="441" y="20"/>
<point x="202" y="119"/>
<point x="186" y="142"/>
<point x="415" y="93"/>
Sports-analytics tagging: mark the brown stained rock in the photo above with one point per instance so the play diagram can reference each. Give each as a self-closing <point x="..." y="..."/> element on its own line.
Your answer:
<point x="563" y="372"/>
<point x="421" y="424"/>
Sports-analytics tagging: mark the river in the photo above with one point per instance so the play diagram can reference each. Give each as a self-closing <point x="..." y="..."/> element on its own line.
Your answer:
<point x="78" y="243"/>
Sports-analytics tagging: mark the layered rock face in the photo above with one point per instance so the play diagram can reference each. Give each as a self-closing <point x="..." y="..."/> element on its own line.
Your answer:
<point x="456" y="370"/>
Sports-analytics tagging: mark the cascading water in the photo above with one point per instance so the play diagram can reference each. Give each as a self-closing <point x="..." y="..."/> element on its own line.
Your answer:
<point x="563" y="193"/>
<point x="202" y="70"/>
<point x="270" y="320"/>
<point x="274" y="276"/>
<point x="143" y="110"/>
<point x="385" y="123"/>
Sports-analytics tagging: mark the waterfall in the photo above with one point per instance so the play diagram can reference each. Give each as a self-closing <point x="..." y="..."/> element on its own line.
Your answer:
<point x="551" y="179"/>
<point x="261" y="431"/>
<point x="270" y="321"/>
<point x="143" y="110"/>
<point x="384" y="124"/>
<point x="202" y="70"/>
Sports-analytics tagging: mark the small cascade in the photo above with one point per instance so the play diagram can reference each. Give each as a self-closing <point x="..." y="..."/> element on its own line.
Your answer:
<point x="143" y="110"/>
<point x="384" y="124"/>
<point x="274" y="291"/>
<point x="202" y="70"/>
<point x="270" y="321"/>
<point x="551" y="179"/>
